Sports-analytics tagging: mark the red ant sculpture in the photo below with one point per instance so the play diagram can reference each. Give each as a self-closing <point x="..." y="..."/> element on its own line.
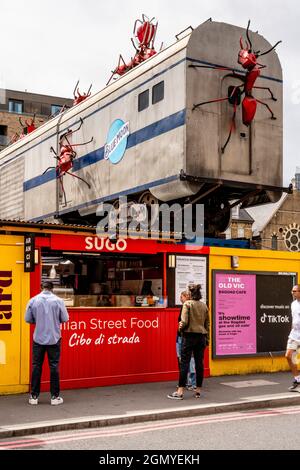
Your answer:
<point x="66" y="156"/>
<point x="78" y="98"/>
<point x="144" y="46"/>
<point x="247" y="58"/>
<point x="27" y="128"/>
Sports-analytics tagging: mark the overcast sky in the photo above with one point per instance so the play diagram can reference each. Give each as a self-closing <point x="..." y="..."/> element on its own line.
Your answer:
<point x="47" y="45"/>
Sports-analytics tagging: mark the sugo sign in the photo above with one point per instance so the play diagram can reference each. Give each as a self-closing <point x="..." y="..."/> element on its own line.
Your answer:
<point x="100" y="244"/>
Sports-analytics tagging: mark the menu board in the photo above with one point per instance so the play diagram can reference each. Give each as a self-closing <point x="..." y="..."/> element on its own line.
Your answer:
<point x="190" y="270"/>
<point x="251" y="312"/>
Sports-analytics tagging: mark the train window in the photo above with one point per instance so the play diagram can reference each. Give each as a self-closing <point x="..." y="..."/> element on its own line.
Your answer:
<point x="158" y="92"/>
<point x="143" y="100"/>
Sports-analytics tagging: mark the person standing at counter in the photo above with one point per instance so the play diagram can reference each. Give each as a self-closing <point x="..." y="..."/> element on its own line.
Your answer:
<point x="46" y="311"/>
<point x="191" y="378"/>
<point x="194" y="325"/>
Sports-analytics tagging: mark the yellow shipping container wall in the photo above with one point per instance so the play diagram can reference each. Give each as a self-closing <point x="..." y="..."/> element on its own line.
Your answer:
<point x="250" y="261"/>
<point x="14" y="332"/>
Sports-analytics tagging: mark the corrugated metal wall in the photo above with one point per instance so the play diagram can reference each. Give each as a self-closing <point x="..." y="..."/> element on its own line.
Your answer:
<point x="11" y="190"/>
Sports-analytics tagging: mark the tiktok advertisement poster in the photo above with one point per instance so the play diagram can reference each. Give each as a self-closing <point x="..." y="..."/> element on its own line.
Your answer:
<point x="251" y="312"/>
<point x="273" y="305"/>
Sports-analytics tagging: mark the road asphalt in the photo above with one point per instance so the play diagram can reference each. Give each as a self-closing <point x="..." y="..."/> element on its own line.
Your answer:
<point x="123" y="404"/>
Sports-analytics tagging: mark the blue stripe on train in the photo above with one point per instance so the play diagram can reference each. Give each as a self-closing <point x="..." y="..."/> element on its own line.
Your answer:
<point x="142" y="135"/>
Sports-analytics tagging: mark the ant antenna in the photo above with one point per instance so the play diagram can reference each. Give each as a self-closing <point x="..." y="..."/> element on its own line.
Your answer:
<point x="248" y="37"/>
<point x="267" y="52"/>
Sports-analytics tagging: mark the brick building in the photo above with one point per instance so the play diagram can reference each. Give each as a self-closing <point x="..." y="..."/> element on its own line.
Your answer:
<point x="20" y="104"/>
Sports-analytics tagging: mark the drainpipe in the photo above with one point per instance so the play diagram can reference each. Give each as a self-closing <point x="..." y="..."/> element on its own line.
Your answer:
<point x="58" y="152"/>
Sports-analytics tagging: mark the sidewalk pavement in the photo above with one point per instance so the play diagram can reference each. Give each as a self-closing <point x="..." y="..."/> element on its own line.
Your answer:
<point x="123" y="404"/>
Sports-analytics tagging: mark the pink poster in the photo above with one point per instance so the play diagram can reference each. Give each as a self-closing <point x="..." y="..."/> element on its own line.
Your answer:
<point x="235" y="314"/>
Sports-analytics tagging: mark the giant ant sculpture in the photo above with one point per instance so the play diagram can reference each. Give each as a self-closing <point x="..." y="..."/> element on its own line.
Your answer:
<point x="247" y="58"/>
<point x="66" y="156"/>
<point x="27" y="128"/>
<point x="78" y="98"/>
<point x="143" y="44"/>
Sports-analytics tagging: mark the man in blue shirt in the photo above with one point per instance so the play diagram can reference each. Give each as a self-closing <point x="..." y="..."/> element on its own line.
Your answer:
<point x="47" y="312"/>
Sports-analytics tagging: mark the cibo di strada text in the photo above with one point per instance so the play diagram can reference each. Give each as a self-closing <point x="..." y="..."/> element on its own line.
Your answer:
<point x="80" y="336"/>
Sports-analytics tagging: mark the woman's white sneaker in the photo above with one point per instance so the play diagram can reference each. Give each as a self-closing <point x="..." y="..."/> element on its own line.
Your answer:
<point x="56" y="401"/>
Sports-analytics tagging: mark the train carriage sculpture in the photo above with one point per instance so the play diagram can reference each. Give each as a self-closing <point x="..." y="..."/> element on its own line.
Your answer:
<point x="149" y="143"/>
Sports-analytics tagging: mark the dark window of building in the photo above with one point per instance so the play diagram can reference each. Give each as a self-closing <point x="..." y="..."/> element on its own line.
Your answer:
<point x="3" y="135"/>
<point x="274" y="242"/>
<point x="3" y="130"/>
<point x="158" y="92"/>
<point x="15" y="106"/>
<point x="143" y="100"/>
<point x="55" y="109"/>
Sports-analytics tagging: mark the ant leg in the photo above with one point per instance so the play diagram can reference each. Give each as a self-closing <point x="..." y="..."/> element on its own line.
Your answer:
<point x="207" y="102"/>
<point x="267" y="106"/>
<point x="75" y="88"/>
<point x="65" y="136"/>
<point x="81" y="179"/>
<point x="266" y="88"/>
<point x="52" y="150"/>
<point x="111" y="77"/>
<point x="81" y="122"/>
<point x="49" y="168"/>
<point x="230" y="130"/>
<point x="212" y="67"/>
<point x="84" y="143"/>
